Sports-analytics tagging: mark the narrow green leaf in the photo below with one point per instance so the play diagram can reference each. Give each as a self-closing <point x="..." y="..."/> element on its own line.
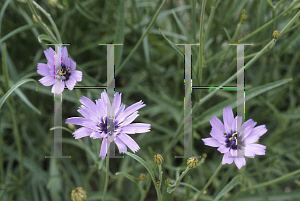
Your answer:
<point x="44" y="37"/>
<point x="217" y="110"/>
<point x="128" y="176"/>
<point x="27" y="102"/>
<point x="235" y="181"/>
<point x="141" y="161"/>
<point x="18" y="30"/>
<point x="7" y="94"/>
<point x="119" y="36"/>
<point x="173" y="44"/>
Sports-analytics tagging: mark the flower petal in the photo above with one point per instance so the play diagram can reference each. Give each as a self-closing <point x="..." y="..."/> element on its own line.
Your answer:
<point x="129" y="142"/>
<point x="55" y="88"/>
<point x="227" y="159"/>
<point x="64" y="54"/>
<point x="43" y="69"/>
<point x="240" y="162"/>
<point x="211" y="142"/>
<point x="223" y="149"/>
<point x="130" y="110"/>
<point x="216" y="123"/>
<point x="71" y="64"/>
<point x="136" y="128"/>
<point x="251" y="138"/>
<point x="255" y="149"/>
<point x="121" y="145"/>
<point x="117" y="101"/>
<point x="217" y="135"/>
<point x="77" y="75"/>
<point x="71" y="83"/>
<point x="259" y="130"/>
<point x="104" y="148"/>
<point x="82" y="132"/>
<point x="130" y="118"/>
<point x="228" y="118"/>
<point x="49" y="53"/>
<point x="47" y="81"/>
<point x="248" y="125"/>
<point x="75" y="120"/>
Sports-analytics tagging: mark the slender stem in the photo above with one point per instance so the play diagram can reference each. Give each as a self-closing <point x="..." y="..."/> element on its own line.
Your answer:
<point x="141" y="39"/>
<point x="46" y="29"/>
<point x="159" y="197"/>
<point x="273" y="181"/>
<point x="106" y="177"/>
<point x="142" y="191"/>
<point x="50" y="19"/>
<point x="201" y="42"/>
<point x="180" y="178"/>
<point x="160" y="175"/>
<point x="208" y="183"/>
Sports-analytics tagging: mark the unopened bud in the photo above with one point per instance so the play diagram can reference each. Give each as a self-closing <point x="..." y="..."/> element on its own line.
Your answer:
<point x="52" y="3"/>
<point x="204" y="155"/>
<point x="192" y="162"/>
<point x="78" y="194"/>
<point x="35" y="20"/>
<point x="71" y="126"/>
<point x="167" y="181"/>
<point x="158" y="159"/>
<point x="142" y="177"/>
<point x="276" y="34"/>
<point x="244" y="18"/>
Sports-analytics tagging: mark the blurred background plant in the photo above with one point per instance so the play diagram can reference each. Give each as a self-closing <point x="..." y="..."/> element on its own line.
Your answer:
<point x="150" y="67"/>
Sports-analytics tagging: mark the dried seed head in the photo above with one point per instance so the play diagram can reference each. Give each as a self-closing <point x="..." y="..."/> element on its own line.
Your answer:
<point x="167" y="181"/>
<point x="78" y="194"/>
<point x="142" y="177"/>
<point x="276" y="34"/>
<point x="158" y="159"/>
<point x="192" y="162"/>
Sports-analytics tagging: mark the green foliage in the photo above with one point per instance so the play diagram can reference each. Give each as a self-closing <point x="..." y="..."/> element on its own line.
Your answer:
<point x="150" y="67"/>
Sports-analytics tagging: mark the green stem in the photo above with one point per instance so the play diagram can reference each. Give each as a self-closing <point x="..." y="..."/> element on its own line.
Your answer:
<point x="273" y="181"/>
<point x="141" y="39"/>
<point x="209" y="182"/>
<point x="201" y="42"/>
<point x="290" y="23"/>
<point x="160" y="175"/>
<point x="46" y="29"/>
<point x="142" y="191"/>
<point x="180" y="178"/>
<point x="106" y="177"/>
<point x="50" y="19"/>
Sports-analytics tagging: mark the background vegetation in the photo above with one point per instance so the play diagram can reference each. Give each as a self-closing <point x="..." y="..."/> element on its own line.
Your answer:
<point x="150" y="68"/>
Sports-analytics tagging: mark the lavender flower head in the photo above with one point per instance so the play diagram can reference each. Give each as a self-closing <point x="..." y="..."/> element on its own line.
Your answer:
<point x="67" y="76"/>
<point x="229" y="140"/>
<point x="96" y="122"/>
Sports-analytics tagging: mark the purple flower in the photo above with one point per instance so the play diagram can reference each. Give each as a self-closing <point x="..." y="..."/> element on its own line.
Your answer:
<point x="67" y="76"/>
<point x="229" y="140"/>
<point x="96" y="122"/>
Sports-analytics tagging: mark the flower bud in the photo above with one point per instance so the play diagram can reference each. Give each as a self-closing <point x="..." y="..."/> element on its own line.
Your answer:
<point x="78" y="194"/>
<point x="276" y="34"/>
<point x="167" y="181"/>
<point x="142" y="177"/>
<point x="158" y="159"/>
<point x="204" y="155"/>
<point x="52" y="3"/>
<point x="244" y="18"/>
<point x="192" y="162"/>
<point x="35" y="20"/>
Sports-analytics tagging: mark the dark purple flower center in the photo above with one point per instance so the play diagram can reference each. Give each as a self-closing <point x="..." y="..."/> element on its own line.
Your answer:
<point x="231" y="140"/>
<point x="108" y="125"/>
<point x="65" y="72"/>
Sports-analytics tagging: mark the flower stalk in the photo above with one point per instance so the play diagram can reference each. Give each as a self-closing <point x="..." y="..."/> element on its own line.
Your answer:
<point x="208" y="183"/>
<point x="106" y="176"/>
